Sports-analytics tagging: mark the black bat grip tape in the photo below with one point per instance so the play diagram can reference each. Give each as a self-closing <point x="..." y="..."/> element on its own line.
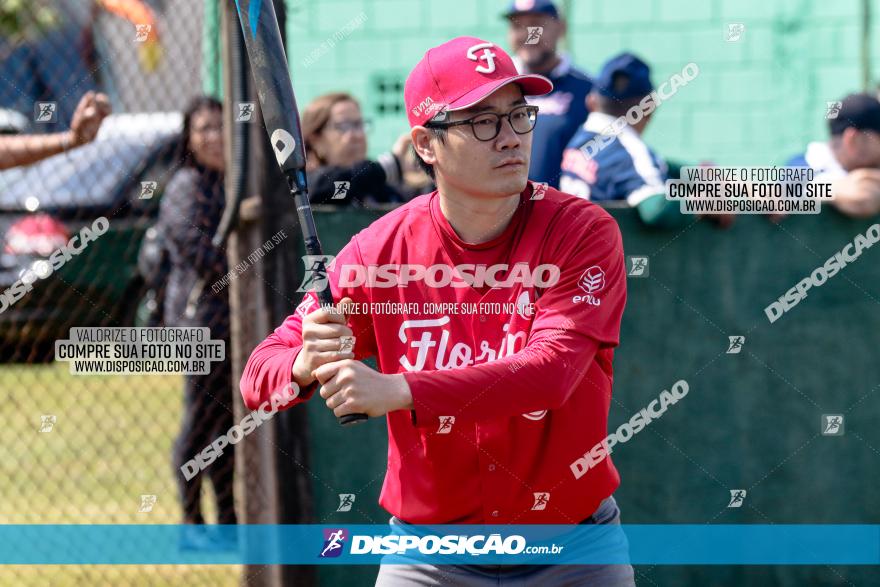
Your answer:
<point x="349" y="419"/>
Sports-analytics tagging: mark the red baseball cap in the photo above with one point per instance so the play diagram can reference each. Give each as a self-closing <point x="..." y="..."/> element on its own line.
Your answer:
<point x="458" y="74"/>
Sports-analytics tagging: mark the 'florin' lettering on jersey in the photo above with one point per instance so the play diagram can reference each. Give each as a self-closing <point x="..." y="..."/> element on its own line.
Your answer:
<point x="425" y="335"/>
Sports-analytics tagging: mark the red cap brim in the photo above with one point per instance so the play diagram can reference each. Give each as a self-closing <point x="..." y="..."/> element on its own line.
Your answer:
<point x="531" y="84"/>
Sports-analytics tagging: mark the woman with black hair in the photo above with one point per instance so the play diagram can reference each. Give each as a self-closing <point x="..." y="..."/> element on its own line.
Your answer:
<point x="190" y="213"/>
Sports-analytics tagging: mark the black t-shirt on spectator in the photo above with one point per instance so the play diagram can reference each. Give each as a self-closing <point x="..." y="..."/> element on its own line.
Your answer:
<point x="366" y="185"/>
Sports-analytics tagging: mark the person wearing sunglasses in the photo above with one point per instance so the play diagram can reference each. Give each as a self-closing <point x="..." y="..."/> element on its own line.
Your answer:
<point x="493" y="317"/>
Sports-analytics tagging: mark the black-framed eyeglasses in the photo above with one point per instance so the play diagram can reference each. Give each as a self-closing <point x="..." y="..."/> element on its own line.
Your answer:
<point x="486" y="126"/>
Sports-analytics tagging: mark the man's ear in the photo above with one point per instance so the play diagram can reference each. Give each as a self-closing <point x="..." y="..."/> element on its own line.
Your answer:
<point x="850" y="138"/>
<point x="592" y="102"/>
<point x="423" y="144"/>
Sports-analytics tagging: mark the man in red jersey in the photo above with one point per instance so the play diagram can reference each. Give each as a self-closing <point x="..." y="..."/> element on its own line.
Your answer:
<point x="493" y="306"/>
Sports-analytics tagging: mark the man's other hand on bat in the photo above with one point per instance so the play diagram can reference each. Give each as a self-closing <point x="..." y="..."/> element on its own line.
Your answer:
<point x="349" y="386"/>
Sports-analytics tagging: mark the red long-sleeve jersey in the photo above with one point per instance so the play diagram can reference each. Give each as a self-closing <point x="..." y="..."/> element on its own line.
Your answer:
<point x="511" y="379"/>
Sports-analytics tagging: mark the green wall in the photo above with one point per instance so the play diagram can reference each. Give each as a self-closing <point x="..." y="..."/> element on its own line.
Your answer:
<point x="756" y="101"/>
<point x="750" y="420"/>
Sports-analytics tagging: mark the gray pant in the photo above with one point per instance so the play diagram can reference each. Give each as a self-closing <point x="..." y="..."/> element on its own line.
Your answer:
<point x="515" y="575"/>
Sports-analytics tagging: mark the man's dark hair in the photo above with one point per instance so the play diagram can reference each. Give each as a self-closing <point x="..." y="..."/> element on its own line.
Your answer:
<point x="858" y="111"/>
<point x="440" y="134"/>
<point x="615" y="107"/>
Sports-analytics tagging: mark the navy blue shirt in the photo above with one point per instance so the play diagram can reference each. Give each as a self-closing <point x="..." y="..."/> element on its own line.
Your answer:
<point x="561" y="113"/>
<point x="623" y="168"/>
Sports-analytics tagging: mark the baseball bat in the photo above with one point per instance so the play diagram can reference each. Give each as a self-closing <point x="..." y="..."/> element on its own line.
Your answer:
<point x="275" y="90"/>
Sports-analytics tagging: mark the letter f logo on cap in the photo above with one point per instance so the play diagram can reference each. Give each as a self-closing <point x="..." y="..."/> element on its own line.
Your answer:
<point x="441" y="81"/>
<point x="488" y="55"/>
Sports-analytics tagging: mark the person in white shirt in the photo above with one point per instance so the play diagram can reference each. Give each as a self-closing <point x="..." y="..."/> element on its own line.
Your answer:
<point x="850" y="159"/>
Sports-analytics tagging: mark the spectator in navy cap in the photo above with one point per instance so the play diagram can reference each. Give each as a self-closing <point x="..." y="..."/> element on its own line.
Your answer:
<point x="851" y="158"/>
<point x="607" y="158"/>
<point x="535" y="28"/>
<point x="624" y="167"/>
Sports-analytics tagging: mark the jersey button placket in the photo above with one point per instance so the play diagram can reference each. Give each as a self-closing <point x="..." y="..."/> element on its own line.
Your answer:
<point x="493" y="493"/>
<point x="487" y="476"/>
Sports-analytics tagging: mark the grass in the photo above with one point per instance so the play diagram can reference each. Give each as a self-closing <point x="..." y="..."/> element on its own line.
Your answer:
<point x="110" y="444"/>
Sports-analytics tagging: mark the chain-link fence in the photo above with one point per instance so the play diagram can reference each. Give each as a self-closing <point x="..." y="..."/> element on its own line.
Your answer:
<point x="118" y="293"/>
<point x="89" y="447"/>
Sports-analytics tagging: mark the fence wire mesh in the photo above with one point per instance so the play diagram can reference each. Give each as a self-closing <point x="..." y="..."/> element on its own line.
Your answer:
<point x="75" y="207"/>
<point x="108" y="218"/>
